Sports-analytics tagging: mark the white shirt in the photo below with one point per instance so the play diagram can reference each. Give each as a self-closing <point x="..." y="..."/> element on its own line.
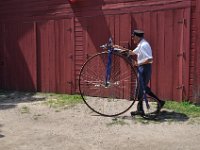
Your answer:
<point x="143" y="52"/>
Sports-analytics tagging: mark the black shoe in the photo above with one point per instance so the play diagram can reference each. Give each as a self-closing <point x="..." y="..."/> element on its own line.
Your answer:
<point x="162" y="103"/>
<point x="138" y="112"/>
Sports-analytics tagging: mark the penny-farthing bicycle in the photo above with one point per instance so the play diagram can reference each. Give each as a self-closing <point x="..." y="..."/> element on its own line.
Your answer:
<point x="109" y="85"/>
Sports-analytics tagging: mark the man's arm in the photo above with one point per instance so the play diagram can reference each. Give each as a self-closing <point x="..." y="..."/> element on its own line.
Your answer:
<point x="120" y="47"/>
<point x="124" y="49"/>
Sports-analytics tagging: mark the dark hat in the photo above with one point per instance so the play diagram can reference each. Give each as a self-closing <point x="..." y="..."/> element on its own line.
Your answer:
<point x="138" y="33"/>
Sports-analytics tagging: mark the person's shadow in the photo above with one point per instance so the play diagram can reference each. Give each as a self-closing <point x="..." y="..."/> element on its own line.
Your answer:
<point x="171" y="116"/>
<point x="164" y="116"/>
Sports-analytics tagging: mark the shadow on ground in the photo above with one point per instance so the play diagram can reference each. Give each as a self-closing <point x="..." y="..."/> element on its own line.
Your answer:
<point x="164" y="116"/>
<point x="10" y="99"/>
<point x="172" y="116"/>
<point x="1" y="135"/>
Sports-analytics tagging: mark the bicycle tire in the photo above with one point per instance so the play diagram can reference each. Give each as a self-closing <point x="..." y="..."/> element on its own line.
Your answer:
<point x="153" y="111"/>
<point x="119" y="96"/>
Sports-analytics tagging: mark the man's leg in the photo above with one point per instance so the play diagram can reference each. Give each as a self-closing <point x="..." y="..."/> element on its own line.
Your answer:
<point x="147" y="89"/>
<point x="150" y="93"/>
<point x="141" y="76"/>
<point x="141" y="90"/>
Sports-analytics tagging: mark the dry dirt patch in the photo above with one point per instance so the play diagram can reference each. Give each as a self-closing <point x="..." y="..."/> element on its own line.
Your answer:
<point x="26" y="123"/>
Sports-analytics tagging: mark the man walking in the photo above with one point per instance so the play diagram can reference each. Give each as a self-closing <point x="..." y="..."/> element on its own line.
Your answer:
<point x="144" y="62"/>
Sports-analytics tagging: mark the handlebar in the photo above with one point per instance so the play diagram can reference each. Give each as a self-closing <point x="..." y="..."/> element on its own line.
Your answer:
<point x="124" y="51"/>
<point x="110" y="46"/>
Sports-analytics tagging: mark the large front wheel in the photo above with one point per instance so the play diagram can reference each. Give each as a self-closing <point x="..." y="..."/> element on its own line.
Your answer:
<point x="113" y="97"/>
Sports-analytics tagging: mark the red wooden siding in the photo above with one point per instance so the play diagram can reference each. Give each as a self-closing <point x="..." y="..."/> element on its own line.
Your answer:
<point x="44" y="64"/>
<point x="169" y="65"/>
<point x="167" y="40"/>
<point x="79" y="47"/>
<point x="19" y="63"/>
<point x="194" y="84"/>
<point x="44" y="43"/>
<point x="1" y="56"/>
<point x="54" y="56"/>
<point x="170" y="34"/>
<point x="198" y="52"/>
<point x="192" y="51"/>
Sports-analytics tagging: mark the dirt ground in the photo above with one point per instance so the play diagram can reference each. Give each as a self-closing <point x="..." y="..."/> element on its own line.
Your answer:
<point x="26" y="123"/>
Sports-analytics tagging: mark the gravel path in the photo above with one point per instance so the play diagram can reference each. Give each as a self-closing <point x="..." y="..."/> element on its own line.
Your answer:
<point x="26" y="123"/>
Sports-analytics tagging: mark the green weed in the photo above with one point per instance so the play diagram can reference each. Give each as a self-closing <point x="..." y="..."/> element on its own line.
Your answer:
<point x="24" y="109"/>
<point x="186" y="108"/>
<point x="62" y="100"/>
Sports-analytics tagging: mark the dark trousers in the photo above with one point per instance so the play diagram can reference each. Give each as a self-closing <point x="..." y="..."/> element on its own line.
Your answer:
<point x="144" y="76"/>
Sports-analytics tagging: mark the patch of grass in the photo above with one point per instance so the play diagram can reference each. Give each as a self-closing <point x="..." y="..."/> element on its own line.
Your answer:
<point x="186" y="108"/>
<point x="116" y="121"/>
<point x="24" y="110"/>
<point x="62" y="100"/>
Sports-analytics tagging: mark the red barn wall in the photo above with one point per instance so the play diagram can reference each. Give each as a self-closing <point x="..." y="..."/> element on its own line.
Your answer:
<point x="194" y="84"/>
<point x="44" y="43"/>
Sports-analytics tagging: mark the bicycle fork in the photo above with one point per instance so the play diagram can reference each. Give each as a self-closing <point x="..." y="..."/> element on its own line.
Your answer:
<point x="108" y="68"/>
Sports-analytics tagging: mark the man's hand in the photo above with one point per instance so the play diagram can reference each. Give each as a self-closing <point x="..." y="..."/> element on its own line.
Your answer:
<point x="135" y="63"/>
<point x="117" y="46"/>
<point x="130" y="52"/>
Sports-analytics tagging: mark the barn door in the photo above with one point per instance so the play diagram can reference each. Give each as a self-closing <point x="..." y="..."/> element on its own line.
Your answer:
<point x="173" y="56"/>
<point x="169" y="37"/>
<point x="184" y="54"/>
<point x="168" y="34"/>
<point x="54" y="56"/>
<point x="19" y="56"/>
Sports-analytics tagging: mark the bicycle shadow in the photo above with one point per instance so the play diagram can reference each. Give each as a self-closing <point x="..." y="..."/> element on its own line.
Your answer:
<point x="164" y="116"/>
